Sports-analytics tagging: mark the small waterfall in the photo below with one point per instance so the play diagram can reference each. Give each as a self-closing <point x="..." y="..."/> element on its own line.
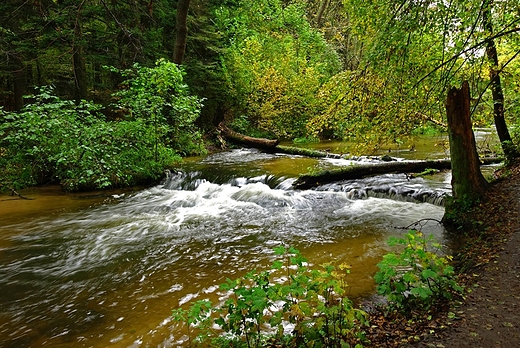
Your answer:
<point x="190" y="180"/>
<point x="393" y="186"/>
<point x="397" y="187"/>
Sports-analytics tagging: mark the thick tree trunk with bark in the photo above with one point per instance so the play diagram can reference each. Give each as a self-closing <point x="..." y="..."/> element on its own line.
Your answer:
<point x="467" y="181"/>
<point x="181" y="31"/>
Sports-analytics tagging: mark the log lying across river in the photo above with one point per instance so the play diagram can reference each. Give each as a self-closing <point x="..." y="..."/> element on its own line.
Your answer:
<point x="235" y="137"/>
<point x="269" y="145"/>
<point x="307" y="181"/>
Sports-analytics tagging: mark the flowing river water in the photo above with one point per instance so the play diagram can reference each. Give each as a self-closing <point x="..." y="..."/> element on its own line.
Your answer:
<point x="106" y="269"/>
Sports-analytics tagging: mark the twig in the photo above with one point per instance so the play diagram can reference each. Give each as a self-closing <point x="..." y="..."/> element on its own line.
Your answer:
<point x="419" y="222"/>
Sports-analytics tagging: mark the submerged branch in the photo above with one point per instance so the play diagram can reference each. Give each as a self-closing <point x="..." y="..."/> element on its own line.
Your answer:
<point x="15" y="193"/>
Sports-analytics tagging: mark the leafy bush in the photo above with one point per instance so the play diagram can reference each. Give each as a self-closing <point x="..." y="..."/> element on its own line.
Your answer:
<point x="54" y="140"/>
<point x="260" y="307"/>
<point x="416" y="278"/>
<point x="159" y="97"/>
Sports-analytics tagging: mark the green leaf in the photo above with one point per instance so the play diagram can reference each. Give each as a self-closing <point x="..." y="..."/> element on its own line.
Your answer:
<point x="428" y="273"/>
<point x="421" y="292"/>
<point x="277" y="265"/>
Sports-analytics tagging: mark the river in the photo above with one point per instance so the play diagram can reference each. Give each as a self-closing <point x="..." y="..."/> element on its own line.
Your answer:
<point x="106" y="269"/>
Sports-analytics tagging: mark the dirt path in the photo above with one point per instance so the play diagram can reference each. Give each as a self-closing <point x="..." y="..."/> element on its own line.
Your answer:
<point x="490" y="316"/>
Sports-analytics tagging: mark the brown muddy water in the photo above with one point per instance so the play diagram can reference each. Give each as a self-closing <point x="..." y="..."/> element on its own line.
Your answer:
<point x="106" y="269"/>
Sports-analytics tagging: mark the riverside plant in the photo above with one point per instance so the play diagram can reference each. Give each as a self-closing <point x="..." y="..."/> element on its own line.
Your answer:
<point x="262" y="305"/>
<point x="312" y="302"/>
<point x="417" y="277"/>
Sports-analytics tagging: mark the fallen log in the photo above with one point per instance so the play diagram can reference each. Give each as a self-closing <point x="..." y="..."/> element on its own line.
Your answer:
<point x="235" y="137"/>
<point x="270" y="145"/>
<point x="307" y="181"/>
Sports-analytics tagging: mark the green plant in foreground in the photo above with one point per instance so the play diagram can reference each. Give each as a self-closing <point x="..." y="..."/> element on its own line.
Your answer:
<point x="416" y="278"/>
<point x="263" y="305"/>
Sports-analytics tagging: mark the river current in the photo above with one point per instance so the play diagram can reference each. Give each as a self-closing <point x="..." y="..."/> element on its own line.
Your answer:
<point x="109" y="272"/>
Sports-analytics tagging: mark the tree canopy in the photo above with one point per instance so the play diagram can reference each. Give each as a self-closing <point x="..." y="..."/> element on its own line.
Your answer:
<point x="374" y="72"/>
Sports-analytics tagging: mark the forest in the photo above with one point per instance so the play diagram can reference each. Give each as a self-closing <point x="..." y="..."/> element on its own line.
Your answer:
<point x="107" y="98"/>
<point x="99" y="93"/>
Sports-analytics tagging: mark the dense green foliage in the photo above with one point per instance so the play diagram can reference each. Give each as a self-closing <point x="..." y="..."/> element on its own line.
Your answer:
<point x="414" y="52"/>
<point x="417" y="277"/>
<point x="371" y="72"/>
<point x="159" y="97"/>
<point x="274" y="65"/>
<point x="55" y="140"/>
<point x="262" y="305"/>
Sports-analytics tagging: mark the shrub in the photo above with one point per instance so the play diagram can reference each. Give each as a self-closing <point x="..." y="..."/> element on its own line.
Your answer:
<point x="416" y="278"/>
<point x="260" y="305"/>
<point x="54" y="140"/>
<point x="159" y="97"/>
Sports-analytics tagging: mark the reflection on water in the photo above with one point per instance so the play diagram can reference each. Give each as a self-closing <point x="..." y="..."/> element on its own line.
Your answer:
<point x="415" y="148"/>
<point x="109" y="274"/>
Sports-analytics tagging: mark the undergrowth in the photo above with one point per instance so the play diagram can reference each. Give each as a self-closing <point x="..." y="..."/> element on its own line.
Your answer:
<point x="294" y="305"/>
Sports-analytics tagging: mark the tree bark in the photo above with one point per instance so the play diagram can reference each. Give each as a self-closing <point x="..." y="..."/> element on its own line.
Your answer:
<point x="261" y="143"/>
<point x="80" y="74"/>
<point x="496" y="85"/>
<point x="321" y="10"/>
<point x="467" y="181"/>
<point x="181" y="31"/>
<point x="308" y="181"/>
<point x="19" y="86"/>
<point x="78" y="61"/>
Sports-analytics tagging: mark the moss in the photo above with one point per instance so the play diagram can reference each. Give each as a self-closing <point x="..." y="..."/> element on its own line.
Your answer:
<point x="301" y="151"/>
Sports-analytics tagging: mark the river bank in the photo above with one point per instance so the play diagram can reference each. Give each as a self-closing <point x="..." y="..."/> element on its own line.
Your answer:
<point x="489" y="262"/>
<point x="489" y="317"/>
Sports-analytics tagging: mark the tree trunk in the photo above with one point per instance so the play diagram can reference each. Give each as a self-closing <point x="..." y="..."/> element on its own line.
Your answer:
<point x="307" y="181"/>
<point x="321" y="10"/>
<point x="496" y="86"/>
<point x="181" y="31"/>
<point x="78" y="61"/>
<point x="19" y="87"/>
<point x="80" y="74"/>
<point x="261" y="143"/>
<point x="467" y="181"/>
